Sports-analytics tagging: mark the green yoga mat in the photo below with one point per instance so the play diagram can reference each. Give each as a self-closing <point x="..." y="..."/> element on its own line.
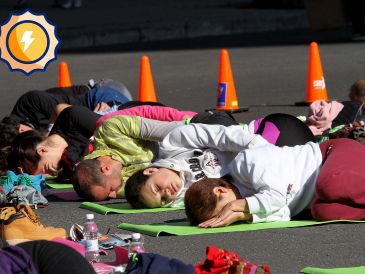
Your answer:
<point x="56" y="185"/>
<point x="123" y="208"/>
<point x="347" y="270"/>
<point x="180" y="228"/>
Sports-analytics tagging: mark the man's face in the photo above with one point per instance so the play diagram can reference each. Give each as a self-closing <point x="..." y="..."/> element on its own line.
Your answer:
<point x="113" y="183"/>
<point x="110" y="190"/>
<point x="161" y="187"/>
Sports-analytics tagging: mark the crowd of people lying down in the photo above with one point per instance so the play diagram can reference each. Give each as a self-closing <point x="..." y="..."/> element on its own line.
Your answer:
<point x="221" y="170"/>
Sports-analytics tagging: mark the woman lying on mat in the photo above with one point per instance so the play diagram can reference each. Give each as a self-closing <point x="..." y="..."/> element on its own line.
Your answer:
<point x="269" y="183"/>
<point x="197" y="151"/>
<point x="69" y="138"/>
<point x="37" y="110"/>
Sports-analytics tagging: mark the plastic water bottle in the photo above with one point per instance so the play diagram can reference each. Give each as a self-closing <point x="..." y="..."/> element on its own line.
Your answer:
<point x="91" y="239"/>
<point x="136" y="245"/>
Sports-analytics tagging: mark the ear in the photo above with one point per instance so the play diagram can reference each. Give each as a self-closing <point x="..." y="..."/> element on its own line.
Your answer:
<point x="105" y="168"/>
<point x="23" y="128"/>
<point x="150" y="170"/>
<point x="220" y="190"/>
<point x="41" y="149"/>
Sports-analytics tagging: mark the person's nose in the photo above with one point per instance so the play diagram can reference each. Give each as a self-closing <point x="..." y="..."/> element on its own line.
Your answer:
<point x="167" y="191"/>
<point x="112" y="194"/>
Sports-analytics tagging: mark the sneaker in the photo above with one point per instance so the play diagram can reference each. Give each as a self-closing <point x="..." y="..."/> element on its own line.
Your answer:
<point x="21" y="224"/>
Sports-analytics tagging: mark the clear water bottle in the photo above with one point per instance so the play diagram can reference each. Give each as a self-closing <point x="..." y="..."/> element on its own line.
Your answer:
<point x="136" y="245"/>
<point x="91" y="239"/>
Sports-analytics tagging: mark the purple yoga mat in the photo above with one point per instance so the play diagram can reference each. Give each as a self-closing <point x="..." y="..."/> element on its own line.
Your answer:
<point x="70" y="196"/>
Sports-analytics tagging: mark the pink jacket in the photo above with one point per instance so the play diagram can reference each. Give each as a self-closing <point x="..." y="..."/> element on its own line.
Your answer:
<point x="152" y="112"/>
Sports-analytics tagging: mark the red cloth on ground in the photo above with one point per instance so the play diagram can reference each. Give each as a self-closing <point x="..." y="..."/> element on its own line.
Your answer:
<point x="219" y="261"/>
<point x="340" y="187"/>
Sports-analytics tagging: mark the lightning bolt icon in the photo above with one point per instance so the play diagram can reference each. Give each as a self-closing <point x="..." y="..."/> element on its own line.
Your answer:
<point x="27" y="39"/>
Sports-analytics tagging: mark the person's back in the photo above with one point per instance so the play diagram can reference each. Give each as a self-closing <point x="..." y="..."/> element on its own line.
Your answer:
<point x="267" y="175"/>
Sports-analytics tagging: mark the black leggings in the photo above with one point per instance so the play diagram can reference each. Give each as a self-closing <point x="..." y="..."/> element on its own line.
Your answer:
<point x="55" y="258"/>
<point x="214" y="117"/>
<point x="284" y="130"/>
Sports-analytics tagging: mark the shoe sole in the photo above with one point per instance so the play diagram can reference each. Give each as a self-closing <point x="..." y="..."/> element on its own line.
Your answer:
<point x="17" y="241"/>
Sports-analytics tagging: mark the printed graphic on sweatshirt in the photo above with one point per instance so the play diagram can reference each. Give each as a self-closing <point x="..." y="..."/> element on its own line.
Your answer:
<point x="203" y="166"/>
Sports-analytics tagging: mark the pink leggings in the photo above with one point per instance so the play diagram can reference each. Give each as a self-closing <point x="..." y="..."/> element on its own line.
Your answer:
<point x="340" y="188"/>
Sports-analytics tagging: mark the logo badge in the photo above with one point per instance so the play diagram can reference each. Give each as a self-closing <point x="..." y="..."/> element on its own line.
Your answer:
<point x="28" y="42"/>
<point x="222" y="91"/>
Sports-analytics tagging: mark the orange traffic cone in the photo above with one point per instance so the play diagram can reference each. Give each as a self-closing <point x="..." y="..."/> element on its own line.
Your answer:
<point x="64" y="76"/>
<point x="146" y="91"/>
<point x="226" y="95"/>
<point x="316" y="86"/>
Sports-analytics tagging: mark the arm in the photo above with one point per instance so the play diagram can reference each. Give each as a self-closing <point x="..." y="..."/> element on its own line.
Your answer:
<point x="121" y="136"/>
<point x="265" y="173"/>
<point x="152" y="112"/>
<point x="58" y="109"/>
<point x="233" y="138"/>
<point x="232" y="212"/>
<point x="154" y="130"/>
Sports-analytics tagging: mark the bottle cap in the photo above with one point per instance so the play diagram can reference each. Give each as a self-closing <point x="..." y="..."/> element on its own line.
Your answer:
<point x="119" y="269"/>
<point x="136" y="236"/>
<point x="90" y="216"/>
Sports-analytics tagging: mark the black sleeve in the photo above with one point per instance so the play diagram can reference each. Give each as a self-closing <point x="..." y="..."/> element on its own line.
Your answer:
<point x="75" y="124"/>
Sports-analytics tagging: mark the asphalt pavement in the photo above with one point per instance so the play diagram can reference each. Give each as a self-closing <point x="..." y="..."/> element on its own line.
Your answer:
<point x="268" y="79"/>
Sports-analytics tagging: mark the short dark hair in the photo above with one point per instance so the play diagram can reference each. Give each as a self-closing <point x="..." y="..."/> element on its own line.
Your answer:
<point x="86" y="174"/>
<point x="4" y="154"/>
<point x="9" y="129"/>
<point x="200" y="201"/>
<point x="133" y="188"/>
<point x="357" y="89"/>
<point x="24" y="151"/>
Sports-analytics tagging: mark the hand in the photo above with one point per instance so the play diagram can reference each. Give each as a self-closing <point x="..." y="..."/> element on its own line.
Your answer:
<point x="232" y="212"/>
<point x="51" y="169"/>
<point x="101" y="107"/>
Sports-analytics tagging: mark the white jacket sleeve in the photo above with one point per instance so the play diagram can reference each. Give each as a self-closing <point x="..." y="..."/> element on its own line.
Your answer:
<point x="231" y="139"/>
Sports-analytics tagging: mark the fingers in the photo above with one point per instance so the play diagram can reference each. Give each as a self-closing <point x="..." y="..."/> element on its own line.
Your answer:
<point x="51" y="168"/>
<point x="97" y="107"/>
<point x="101" y="107"/>
<point x="223" y="220"/>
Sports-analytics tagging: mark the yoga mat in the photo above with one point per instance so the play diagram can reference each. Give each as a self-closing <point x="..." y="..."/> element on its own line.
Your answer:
<point x="183" y="228"/>
<point x="56" y="185"/>
<point x="69" y="196"/>
<point x="345" y="270"/>
<point x="123" y="208"/>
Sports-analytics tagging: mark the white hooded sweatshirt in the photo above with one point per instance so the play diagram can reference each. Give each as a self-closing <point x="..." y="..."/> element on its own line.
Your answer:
<point x="277" y="182"/>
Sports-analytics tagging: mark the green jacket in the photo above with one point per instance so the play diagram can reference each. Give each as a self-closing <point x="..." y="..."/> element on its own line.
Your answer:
<point x="119" y="137"/>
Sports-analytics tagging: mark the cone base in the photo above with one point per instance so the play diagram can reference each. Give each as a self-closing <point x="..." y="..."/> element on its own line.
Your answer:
<point x="302" y="103"/>
<point x="237" y="110"/>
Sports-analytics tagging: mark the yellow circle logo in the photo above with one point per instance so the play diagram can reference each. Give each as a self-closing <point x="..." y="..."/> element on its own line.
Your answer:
<point x="27" y="42"/>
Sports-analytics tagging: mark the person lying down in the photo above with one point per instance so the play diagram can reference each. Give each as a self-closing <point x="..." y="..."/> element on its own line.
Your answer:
<point x="196" y="151"/>
<point x="269" y="183"/>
